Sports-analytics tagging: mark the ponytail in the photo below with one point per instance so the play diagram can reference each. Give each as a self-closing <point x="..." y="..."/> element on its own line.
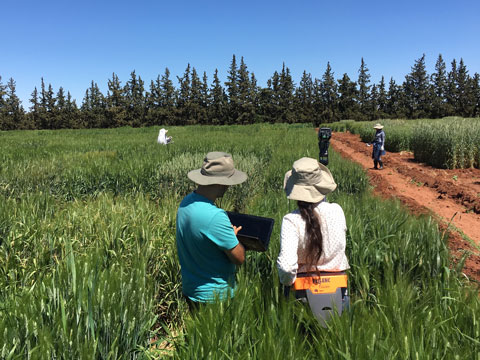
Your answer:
<point x="313" y="233"/>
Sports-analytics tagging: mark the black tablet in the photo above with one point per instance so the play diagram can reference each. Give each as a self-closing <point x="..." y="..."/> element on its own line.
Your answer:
<point x="256" y="230"/>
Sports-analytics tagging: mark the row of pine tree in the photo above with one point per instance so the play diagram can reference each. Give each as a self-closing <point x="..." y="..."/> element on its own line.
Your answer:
<point x="240" y="100"/>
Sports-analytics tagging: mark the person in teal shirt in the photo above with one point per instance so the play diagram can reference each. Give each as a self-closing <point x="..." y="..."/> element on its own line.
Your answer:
<point x="207" y="245"/>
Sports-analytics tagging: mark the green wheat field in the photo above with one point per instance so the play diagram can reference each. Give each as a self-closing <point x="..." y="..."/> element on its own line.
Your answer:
<point x="88" y="264"/>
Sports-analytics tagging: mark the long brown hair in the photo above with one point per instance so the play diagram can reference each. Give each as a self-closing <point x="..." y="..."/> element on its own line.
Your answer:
<point x="313" y="233"/>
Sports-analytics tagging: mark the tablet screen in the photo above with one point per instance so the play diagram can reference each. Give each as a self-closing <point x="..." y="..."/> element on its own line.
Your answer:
<point x="255" y="232"/>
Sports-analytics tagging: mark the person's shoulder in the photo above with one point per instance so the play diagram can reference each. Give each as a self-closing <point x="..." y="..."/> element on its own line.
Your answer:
<point x="198" y="201"/>
<point x="295" y="214"/>
<point x="187" y="199"/>
<point x="326" y="207"/>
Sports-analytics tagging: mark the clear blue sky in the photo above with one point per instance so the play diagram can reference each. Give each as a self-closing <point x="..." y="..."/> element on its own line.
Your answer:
<point x="71" y="43"/>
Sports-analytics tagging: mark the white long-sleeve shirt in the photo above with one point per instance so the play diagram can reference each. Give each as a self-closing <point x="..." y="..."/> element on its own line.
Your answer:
<point x="292" y="257"/>
<point x="162" y="137"/>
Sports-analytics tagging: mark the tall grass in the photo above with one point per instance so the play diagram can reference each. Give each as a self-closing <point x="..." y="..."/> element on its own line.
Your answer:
<point x="89" y="268"/>
<point x="449" y="143"/>
<point x="406" y="301"/>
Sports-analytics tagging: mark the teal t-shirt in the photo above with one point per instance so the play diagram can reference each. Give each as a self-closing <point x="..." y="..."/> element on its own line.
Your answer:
<point x="203" y="233"/>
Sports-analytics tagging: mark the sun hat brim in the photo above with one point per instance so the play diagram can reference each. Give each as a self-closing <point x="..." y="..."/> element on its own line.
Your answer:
<point x="236" y="178"/>
<point x="379" y="127"/>
<point x="312" y="193"/>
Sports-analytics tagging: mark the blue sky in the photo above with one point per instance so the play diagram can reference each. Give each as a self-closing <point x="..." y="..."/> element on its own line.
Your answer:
<point x="71" y="43"/>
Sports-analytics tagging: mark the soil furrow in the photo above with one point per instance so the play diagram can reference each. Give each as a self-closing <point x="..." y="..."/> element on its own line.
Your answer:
<point x="451" y="196"/>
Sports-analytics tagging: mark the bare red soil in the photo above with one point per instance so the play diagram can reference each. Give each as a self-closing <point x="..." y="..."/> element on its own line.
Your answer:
<point x="451" y="196"/>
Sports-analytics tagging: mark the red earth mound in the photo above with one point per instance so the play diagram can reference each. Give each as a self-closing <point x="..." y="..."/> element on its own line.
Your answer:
<point x="451" y="196"/>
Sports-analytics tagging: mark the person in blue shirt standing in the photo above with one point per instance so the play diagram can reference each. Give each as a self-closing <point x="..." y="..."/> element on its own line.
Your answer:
<point x="378" y="147"/>
<point x="207" y="244"/>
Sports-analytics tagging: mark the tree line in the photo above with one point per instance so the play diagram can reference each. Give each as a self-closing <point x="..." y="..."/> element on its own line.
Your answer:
<point x="239" y="100"/>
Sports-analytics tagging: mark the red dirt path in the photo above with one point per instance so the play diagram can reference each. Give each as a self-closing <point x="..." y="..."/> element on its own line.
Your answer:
<point x="451" y="196"/>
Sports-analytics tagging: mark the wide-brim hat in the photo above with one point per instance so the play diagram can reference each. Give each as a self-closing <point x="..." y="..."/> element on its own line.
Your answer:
<point x="308" y="181"/>
<point x="217" y="169"/>
<point x="378" y="126"/>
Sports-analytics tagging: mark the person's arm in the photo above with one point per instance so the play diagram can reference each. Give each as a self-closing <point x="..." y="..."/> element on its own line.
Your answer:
<point x="371" y="142"/>
<point x="287" y="261"/>
<point x="236" y="255"/>
<point x="224" y="236"/>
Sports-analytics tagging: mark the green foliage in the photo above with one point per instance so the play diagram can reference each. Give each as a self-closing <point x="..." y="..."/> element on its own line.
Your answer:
<point x="448" y="145"/>
<point x="406" y="302"/>
<point x="451" y="142"/>
<point x="194" y="101"/>
<point x="89" y="266"/>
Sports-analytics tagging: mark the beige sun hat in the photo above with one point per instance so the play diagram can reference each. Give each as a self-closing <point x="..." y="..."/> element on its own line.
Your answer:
<point x="378" y="126"/>
<point x="217" y="169"/>
<point x="308" y="181"/>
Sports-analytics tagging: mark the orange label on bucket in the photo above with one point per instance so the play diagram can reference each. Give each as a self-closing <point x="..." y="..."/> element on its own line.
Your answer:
<point x="324" y="284"/>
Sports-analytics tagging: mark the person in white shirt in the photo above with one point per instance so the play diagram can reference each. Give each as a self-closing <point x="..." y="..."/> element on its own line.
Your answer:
<point x="163" y="138"/>
<point x="313" y="237"/>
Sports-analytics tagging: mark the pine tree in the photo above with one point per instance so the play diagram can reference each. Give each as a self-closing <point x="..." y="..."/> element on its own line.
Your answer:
<point x="13" y="110"/>
<point x="184" y="96"/>
<point x="43" y="116"/>
<point x="115" y="103"/>
<point x="232" y="92"/>
<point x="318" y="104"/>
<point x="373" y="111"/>
<point x="265" y="103"/>
<point x="93" y="107"/>
<point x="268" y="100"/>
<point x="254" y="98"/>
<point x="155" y="94"/>
<point x="347" y="103"/>
<point x="382" y="99"/>
<point x="466" y="95"/>
<point x="275" y="109"/>
<point x="60" y="119"/>
<point x="205" y="96"/>
<point x="3" y="111"/>
<point x="243" y="83"/>
<point x="286" y="96"/>
<point x="204" y="100"/>
<point x="452" y="91"/>
<point x="72" y="113"/>
<point x="33" y="116"/>
<point x="168" y="92"/>
<point x="439" y="89"/>
<point x="417" y="90"/>
<point x="162" y="101"/>
<point x="197" y="115"/>
<point x="329" y="96"/>
<point x="218" y="101"/>
<point x="46" y="108"/>
<point x="395" y="103"/>
<point x="475" y="84"/>
<point x="304" y="98"/>
<point x="51" y="108"/>
<point x="153" y="103"/>
<point x="135" y="100"/>
<point x="363" y="91"/>
<point x="246" y="111"/>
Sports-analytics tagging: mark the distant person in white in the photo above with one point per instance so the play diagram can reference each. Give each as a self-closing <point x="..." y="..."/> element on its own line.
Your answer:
<point x="163" y="138"/>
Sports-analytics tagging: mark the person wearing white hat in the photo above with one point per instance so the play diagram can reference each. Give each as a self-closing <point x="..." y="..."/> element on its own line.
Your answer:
<point x="378" y="147"/>
<point x="207" y="244"/>
<point x="162" y="138"/>
<point x="313" y="237"/>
